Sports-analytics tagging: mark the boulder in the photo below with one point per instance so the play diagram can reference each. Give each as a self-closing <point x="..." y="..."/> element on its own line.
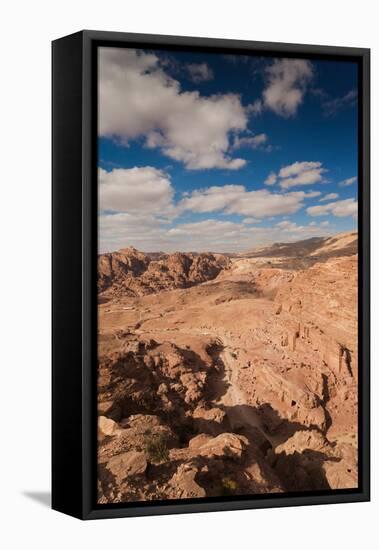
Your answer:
<point x="225" y="445"/>
<point x="341" y="475"/>
<point x="106" y="426"/>
<point x="342" y="471"/>
<point x="184" y="484"/>
<point x="302" y="440"/>
<point x="209" y="420"/>
<point x="199" y="441"/>
<point x="110" y="409"/>
<point x="127" y="464"/>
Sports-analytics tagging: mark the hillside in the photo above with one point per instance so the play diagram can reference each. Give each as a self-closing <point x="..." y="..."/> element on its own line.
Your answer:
<point x="133" y="273"/>
<point x="341" y="244"/>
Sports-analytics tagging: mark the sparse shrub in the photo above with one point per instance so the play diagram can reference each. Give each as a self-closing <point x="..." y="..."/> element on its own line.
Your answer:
<point x="228" y="485"/>
<point x="156" y="448"/>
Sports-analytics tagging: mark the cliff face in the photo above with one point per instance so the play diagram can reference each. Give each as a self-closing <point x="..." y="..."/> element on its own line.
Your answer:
<point x="226" y="376"/>
<point x="324" y="298"/>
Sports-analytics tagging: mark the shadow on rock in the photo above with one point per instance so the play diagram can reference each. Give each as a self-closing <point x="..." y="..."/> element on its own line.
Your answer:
<point x="301" y="471"/>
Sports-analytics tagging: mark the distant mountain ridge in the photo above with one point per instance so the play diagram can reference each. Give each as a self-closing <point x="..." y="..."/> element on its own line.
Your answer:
<point x="129" y="272"/>
<point x="341" y="244"/>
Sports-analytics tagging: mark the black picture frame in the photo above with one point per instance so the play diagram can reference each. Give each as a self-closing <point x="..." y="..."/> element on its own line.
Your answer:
<point x="74" y="270"/>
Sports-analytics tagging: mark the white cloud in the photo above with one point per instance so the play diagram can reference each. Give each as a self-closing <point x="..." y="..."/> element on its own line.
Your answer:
<point x="249" y="221"/>
<point x="287" y="80"/>
<point x="149" y="234"/>
<point x="211" y="199"/>
<point x="200" y="72"/>
<point x="220" y="236"/>
<point x="263" y="204"/>
<point x="340" y="209"/>
<point x="312" y="194"/>
<point x="138" y="99"/>
<point x="215" y="227"/>
<point x="121" y="230"/>
<point x="140" y="189"/>
<point x="137" y="208"/>
<point x="235" y="199"/>
<point x="298" y="173"/>
<point x="348" y="181"/>
<point x="329" y="197"/>
<point x="259" y="141"/>
<point x="332" y="106"/>
<point x="285" y="224"/>
<point x="255" y="108"/>
<point x="301" y="173"/>
<point x="292" y="227"/>
<point x="271" y="179"/>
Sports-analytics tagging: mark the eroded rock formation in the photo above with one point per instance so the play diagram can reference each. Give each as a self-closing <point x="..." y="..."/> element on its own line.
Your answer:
<point x="132" y="273"/>
<point x="226" y="376"/>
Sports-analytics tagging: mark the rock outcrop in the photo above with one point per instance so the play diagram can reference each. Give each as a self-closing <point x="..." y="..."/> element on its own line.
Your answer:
<point x="132" y="273"/>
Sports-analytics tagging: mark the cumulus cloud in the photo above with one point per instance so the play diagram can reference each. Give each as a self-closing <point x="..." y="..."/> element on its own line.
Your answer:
<point x="348" y="181"/>
<point x="211" y="199"/>
<point x="329" y="197"/>
<point x="210" y="235"/>
<point x="301" y="173"/>
<point x="292" y="227"/>
<point x="137" y="99"/>
<point x="298" y="173"/>
<point x="146" y="233"/>
<point x="137" y="207"/>
<point x="287" y="81"/>
<point x="271" y="179"/>
<point x="215" y="227"/>
<point x="140" y="189"/>
<point x="224" y="236"/>
<point x="340" y="209"/>
<point x="199" y="72"/>
<point x="123" y="229"/>
<point x="149" y="233"/>
<point x="235" y="199"/>
<point x="262" y="203"/>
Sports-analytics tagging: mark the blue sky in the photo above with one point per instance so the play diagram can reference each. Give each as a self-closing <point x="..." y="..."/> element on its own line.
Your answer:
<point x="223" y="153"/>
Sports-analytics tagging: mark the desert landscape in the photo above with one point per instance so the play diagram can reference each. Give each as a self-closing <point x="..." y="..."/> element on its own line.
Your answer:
<point x="227" y="374"/>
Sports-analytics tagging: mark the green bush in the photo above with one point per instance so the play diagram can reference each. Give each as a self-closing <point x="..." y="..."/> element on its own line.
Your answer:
<point x="156" y="448"/>
<point x="229" y="485"/>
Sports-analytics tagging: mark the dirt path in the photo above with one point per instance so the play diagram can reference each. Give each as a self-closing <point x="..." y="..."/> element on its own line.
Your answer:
<point x="234" y="396"/>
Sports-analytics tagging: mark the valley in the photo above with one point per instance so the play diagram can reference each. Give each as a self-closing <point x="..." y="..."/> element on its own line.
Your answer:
<point x="228" y="374"/>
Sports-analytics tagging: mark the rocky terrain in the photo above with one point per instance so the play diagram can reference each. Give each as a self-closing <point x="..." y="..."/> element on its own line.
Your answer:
<point x="222" y="375"/>
<point x="132" y="273"/>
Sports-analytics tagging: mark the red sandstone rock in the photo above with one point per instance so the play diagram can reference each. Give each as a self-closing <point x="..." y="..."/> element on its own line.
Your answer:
<point x="240" y="374"/>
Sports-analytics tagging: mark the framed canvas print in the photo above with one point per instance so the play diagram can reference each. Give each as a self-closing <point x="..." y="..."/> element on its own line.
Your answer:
<point x="210" y="274"/>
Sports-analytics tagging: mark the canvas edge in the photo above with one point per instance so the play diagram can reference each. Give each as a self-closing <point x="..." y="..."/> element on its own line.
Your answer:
<point x="88" y="375"/>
